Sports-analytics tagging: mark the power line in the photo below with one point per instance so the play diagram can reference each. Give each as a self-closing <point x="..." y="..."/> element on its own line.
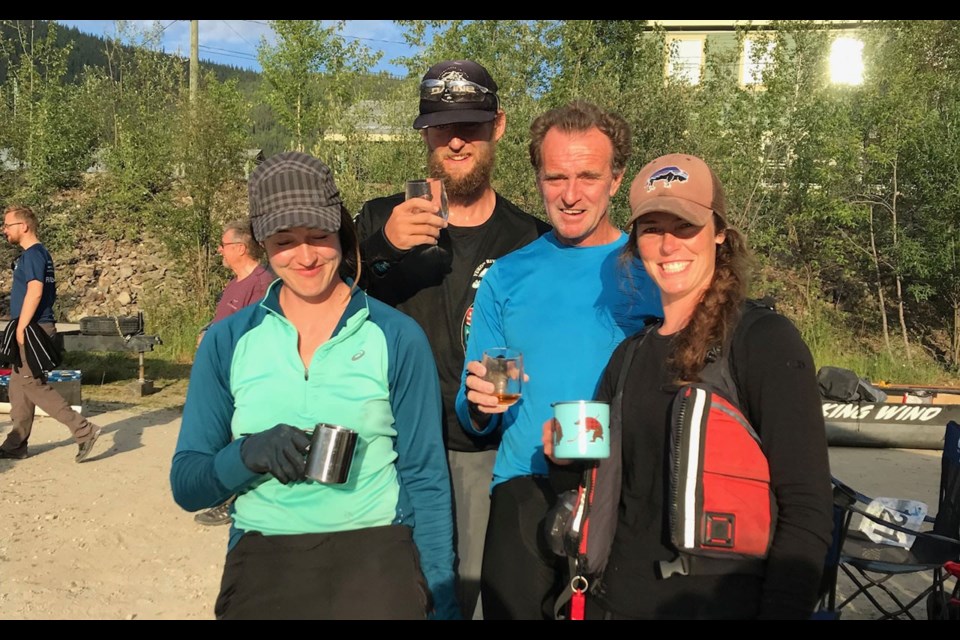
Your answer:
<point x="239" y="35"/>
<point x="172" y="22"/>
<point x="374" y="40"/>
<point x="219" y="51"/>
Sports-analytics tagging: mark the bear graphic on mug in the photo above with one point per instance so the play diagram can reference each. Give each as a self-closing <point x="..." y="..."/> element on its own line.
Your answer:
<point x="593" y="427"/>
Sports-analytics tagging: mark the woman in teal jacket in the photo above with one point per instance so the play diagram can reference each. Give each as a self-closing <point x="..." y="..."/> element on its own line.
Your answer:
<point x="317" y="349"/>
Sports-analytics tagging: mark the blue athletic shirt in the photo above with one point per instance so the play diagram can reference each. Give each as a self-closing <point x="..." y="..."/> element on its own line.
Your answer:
<point x="34" y="263"/>
<point x="566" y="308"/>
<point x="375" y="375"/>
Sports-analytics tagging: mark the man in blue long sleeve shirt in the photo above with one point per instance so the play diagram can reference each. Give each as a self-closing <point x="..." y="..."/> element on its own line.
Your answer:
<point x="562" y="301"/>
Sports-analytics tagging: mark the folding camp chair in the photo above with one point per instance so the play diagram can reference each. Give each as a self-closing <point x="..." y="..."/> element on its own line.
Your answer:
<point x="871" y="565"/>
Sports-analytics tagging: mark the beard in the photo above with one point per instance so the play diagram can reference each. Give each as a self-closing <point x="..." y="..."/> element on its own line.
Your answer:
<point x="465" y="188"/>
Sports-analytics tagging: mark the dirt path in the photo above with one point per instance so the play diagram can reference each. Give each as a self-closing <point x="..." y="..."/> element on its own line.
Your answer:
<point x="103" y="539"/>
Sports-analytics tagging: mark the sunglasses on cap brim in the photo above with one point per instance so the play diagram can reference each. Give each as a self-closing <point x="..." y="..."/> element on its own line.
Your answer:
<point x="454" y="91"/>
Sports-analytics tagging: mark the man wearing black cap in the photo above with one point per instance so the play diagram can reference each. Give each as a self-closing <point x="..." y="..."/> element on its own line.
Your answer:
<point x="430" y="269"/>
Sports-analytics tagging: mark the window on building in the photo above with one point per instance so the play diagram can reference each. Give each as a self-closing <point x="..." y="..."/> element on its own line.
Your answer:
<point x="846" y="61"/>
<point x="685" y="58"/>
<point x="757" y="56"/>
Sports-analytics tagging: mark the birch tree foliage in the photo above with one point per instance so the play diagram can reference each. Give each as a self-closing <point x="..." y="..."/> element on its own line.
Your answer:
<point x="141" y="95"/>
<point x="49" y="128"/>
<point x="210" y="150"/>
<point x="311" y="76"/>
<point x="914" y="92"/>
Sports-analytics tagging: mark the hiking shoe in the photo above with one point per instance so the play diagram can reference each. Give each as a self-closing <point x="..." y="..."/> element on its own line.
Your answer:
<point x="13" y="455"/>
<point x="214" y="516"/>
<point x="87" y="446"/>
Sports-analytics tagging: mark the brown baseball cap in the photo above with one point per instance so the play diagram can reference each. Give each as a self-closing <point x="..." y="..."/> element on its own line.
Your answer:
<point x="679" y="184"/>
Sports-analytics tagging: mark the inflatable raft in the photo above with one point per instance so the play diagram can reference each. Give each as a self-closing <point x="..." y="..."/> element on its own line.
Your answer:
<point x="911" y="418"/>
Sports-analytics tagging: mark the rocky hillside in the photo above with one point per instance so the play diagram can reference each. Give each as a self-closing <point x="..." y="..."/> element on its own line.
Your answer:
<point x="102" y="276"/>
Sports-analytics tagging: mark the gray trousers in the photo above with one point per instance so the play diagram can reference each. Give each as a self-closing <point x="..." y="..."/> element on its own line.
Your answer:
<point x="27" y="392"/>
<point x="471" y="473"/>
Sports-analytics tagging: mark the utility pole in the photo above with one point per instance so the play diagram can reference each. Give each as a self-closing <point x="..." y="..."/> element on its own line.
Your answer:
<point x="194" y="59"/>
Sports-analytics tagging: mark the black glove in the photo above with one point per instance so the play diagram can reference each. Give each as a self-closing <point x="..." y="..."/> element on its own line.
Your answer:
<point x="280" y="451"/>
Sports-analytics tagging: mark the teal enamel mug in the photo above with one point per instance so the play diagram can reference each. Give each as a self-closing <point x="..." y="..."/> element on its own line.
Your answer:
<point x="580" y="429"/>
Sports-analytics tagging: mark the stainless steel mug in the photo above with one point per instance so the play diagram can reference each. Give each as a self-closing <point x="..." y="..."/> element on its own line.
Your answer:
<point x="331" y="453"/>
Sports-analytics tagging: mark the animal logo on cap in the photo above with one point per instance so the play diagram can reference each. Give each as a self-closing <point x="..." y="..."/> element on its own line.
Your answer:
<point x="669" y="175"/>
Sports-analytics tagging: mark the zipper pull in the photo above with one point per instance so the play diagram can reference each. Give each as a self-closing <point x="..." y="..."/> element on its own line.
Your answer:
<point x="577" y="605"/>
<point x="578" y="600"/>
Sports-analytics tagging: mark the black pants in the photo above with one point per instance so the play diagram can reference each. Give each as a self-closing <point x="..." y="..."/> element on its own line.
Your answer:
<point x="368" y="574"/>
<point x="520" y="577"/>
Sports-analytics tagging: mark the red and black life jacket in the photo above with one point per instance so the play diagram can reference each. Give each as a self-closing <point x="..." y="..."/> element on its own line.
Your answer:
<point x="721" y="509"/>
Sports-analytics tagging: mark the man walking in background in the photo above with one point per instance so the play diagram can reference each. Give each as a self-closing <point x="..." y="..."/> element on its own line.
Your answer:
<point x="430" y="269"/>
<point x="32" y="296"/>
<point x="241" y="254"/>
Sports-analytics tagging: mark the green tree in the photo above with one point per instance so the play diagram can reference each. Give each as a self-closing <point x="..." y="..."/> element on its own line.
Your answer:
<point x="310" y="77"/>
<point x="50" y="127"/>
<point x="914" y="151"/>
<point x="141" y="91"/>
<point x="785" y="149"/>
<point x="906" y="77"/>
<point x="210" y="149"/>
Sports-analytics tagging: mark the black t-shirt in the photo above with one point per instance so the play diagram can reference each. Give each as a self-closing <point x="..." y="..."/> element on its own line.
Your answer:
<point x="436" y="286"/>
<point x="775" y="378"/>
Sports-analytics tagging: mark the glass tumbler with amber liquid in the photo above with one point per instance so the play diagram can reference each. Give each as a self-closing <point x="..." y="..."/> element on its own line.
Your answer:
<point x="505" y="370"/>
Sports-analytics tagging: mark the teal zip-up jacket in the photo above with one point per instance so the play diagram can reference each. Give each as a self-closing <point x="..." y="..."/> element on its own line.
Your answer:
<point x="375" y="375"/>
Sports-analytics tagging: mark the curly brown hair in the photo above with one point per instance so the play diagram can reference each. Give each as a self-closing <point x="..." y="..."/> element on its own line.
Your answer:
<point x="717" y="313"/>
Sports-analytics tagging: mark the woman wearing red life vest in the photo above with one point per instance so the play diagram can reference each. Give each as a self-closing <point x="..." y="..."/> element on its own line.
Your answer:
<point x="679" y="229"/>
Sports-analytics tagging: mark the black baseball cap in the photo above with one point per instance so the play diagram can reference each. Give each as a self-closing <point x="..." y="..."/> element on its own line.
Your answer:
<point x="444" y="110"/>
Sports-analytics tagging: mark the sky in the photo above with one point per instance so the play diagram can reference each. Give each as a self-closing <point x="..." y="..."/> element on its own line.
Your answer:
<point x="234" y="42"/>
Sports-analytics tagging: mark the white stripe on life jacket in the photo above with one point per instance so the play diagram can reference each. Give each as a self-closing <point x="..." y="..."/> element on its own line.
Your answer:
<point x="693" y="470"/>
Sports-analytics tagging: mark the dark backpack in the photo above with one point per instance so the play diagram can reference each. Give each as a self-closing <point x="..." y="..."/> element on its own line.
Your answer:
<point x="843" y="385"/>
<point x="713" y="528"/>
